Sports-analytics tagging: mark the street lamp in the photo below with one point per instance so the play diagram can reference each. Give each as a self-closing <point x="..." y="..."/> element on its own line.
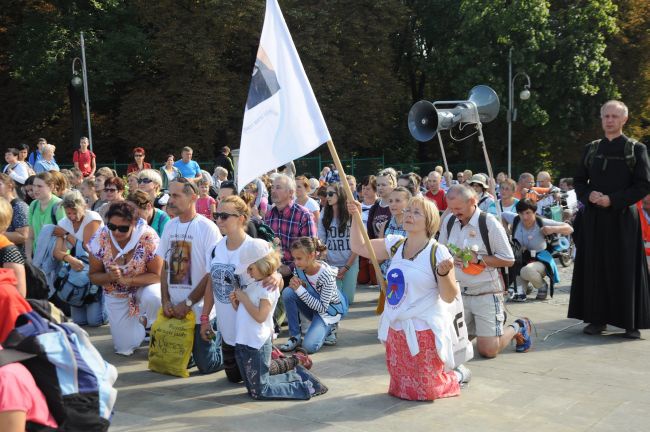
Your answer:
<point x="512" y="112"/>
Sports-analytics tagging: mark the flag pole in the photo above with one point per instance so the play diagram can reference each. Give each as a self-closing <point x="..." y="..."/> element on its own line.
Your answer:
<point x="357" y="216"/>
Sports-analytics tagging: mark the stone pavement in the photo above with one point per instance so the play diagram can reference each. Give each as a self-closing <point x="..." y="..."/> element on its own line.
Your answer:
<point x="568" y="382"/>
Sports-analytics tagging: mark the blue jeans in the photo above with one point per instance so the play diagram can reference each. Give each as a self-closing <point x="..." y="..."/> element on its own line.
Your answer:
<point x="92" y="314"/>
<point x="207" y="356"/>
<point x="318" y="330"/>
<point x="254" y="366"/>
<point x="348" y="285"/>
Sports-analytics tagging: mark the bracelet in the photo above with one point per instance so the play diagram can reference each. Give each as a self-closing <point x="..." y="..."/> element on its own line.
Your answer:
<point x="347" y="267"/>
<point x="442" y="275"/>
<point x="204" y="318"/>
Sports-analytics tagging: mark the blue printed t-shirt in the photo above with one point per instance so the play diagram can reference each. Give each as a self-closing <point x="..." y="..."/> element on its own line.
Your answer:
<point x="189" y="170"/>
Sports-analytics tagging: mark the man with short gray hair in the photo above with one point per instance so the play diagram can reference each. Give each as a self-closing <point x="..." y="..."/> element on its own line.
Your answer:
<point x="481" y="235"/>
<point x="288" y="220"/>
<point x="610" y="278"/>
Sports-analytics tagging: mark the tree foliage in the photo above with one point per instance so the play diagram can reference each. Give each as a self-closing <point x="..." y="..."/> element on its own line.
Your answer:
<point x="171" y="73"/>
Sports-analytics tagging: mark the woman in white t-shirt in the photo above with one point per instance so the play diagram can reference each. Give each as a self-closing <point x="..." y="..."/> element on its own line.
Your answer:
<point x="80" y="225"/>
<point x="232" y="217"/>
<point x="415" y="325"/>
<point x="254" y="306"/>
<point x="303" y="189"/>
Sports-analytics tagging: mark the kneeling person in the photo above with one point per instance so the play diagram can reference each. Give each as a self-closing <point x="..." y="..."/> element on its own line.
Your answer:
<point x="480" y="282"/>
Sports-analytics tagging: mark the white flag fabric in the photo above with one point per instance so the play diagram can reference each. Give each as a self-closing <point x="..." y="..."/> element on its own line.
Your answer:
<point x="282" y="120"/>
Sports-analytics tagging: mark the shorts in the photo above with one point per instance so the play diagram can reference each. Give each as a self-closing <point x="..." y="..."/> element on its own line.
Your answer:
<point x="484" y="315"/>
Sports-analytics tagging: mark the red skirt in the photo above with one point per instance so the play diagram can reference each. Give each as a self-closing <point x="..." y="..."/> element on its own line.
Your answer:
<point x="422" y="377"/>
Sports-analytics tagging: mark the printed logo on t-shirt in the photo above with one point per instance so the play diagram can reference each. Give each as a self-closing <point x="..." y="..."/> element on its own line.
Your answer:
<point x="180" y="263"/>
<point x="224" y="280"/>
<point x="396" y="288"/>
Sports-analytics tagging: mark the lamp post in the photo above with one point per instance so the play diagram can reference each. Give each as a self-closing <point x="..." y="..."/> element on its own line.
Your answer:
<point x="512" y="112"/>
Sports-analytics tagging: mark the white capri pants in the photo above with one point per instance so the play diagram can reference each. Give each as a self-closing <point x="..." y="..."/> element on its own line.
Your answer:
<point x="534" y="273"/>
<point x="127" y="331"/>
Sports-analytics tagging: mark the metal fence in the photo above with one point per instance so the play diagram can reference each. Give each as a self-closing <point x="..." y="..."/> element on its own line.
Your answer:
<point x="356" y="166"/>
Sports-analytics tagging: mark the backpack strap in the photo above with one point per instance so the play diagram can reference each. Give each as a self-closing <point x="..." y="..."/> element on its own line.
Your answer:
<point x="592" y="149"/>
<point x="55" y="208"/>
<point x="433" y="259"/>
<point x="515" y="224"/>
<point x="393" y="248"/>
<point x="485" y="235"/>
<point x="450" y="225"/>
<point x="628" y="153"/>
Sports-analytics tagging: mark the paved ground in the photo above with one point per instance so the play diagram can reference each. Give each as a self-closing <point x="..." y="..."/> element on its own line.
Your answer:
<point x="568" y="382"/>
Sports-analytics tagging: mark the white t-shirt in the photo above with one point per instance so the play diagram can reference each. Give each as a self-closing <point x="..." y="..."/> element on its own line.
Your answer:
<point x="249" y="331"/>
<point x="79" y="234"/>
<point x="187" y="248"/>
<point x="311" y="205"/>
<point x="224" y="280"/>
<point x="410" y="281"/>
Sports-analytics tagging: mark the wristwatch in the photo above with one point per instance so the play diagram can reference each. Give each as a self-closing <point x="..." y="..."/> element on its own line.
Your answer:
<point x="188" y="302"/>
<point x="479" y="259"/>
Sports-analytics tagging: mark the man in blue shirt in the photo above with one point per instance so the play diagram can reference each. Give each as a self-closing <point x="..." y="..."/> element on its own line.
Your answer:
<point x="37" y="154"/>
<point x="189" y="168"/>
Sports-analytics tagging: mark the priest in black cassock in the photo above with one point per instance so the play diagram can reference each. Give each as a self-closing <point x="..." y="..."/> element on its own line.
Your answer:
<point x="610" y="276"/>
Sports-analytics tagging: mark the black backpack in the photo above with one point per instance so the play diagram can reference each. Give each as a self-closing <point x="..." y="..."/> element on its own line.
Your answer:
<point x="628" y="154"/>
<point x="37" y="287"/>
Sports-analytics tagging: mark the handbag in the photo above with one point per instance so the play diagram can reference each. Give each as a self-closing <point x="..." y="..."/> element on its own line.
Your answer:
<point x="333" y="309"/>
<point x="72" y="286"/>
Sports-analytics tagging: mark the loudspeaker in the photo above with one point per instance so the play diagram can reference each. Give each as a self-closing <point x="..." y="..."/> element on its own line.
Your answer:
<point x="426" y="120"/>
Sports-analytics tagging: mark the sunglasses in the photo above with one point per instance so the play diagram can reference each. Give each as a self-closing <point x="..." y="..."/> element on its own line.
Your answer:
<point x="331" y="194"/>
<point x="144" y="181"/>
<point x="139" y="155"/>
<point x="110" y="190"/>
<point x="120" y="228"/>
<point x="223" y="216"/>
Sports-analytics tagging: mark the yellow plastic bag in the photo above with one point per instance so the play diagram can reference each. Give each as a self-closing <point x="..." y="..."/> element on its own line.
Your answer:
<point x="171" y="344"/>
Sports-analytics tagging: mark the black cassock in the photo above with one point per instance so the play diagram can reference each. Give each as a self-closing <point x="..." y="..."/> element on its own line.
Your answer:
<point x="610" y="275"/>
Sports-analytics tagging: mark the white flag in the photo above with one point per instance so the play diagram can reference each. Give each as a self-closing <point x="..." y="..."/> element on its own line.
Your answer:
<point x="282" y="121"/>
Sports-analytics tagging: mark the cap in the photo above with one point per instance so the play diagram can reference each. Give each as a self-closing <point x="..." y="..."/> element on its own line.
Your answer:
<point x="253" y="251"/>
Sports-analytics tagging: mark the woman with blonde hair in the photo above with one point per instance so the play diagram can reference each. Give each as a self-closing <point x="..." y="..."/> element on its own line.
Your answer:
<point x="80" y="226"/>
<point x="415" y="325"/>
<point x="10" y="256"/>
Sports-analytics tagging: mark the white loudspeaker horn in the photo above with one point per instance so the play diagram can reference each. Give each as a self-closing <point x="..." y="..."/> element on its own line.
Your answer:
<point x="426" y="120"/>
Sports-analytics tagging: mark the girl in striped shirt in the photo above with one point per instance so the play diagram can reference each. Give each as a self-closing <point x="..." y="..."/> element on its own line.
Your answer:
<point x="312" y="291"/>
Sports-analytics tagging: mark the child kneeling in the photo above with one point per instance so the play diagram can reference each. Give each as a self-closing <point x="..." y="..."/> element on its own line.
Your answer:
<point x="255" y="305"/>
<point x="313" y="293"/>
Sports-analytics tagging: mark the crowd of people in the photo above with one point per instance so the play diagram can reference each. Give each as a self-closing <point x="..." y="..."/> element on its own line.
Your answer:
<point x="288" y="250"/>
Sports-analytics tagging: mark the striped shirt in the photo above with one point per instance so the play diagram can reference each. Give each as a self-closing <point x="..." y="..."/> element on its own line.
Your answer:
<point x="325" y="286"/>
<point x="290" y="223"/>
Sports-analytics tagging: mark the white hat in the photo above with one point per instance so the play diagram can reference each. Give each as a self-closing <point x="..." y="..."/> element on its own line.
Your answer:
<point x="253" y="251"/>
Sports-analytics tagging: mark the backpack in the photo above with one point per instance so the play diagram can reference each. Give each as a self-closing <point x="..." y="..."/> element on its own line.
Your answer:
<point x="67" y="368"/>
<point x="263" y="231"/>
<point x="74" y="287"/>
<point x="36" y="282"/>
<point x="628" y="154"/>
<point x="506" y="275"/>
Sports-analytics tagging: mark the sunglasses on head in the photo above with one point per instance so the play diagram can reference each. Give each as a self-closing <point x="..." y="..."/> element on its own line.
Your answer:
<point x="144" y="181"/>
<point x="120" y="228"/>
<point x="331" y="194"/>
<point x="223" y="216"/>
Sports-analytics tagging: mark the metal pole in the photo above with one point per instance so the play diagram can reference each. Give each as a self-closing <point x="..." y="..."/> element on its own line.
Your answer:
<point x="85" y="78"/>
<point x="510" y="102"/>
<point x="442" y="150"/>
